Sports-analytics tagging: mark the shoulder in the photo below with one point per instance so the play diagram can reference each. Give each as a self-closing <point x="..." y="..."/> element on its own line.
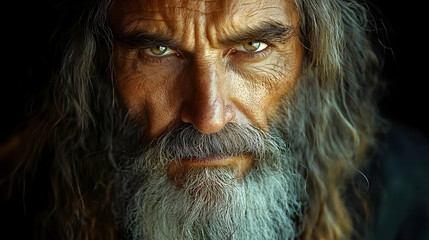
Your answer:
<point x="400" y="176"/>
<point x="11" y="203"/>
<point x="11" y="154"/>
<point x="23" y="194"/>
<point x="405" y="142"/>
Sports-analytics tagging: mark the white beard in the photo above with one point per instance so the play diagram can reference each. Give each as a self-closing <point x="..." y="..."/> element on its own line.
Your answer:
<point x="214" y="204"/>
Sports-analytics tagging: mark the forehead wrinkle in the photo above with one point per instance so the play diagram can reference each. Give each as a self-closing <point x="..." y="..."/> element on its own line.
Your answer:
<point x="196" y="6"/>
<point x="190" y="19"/>
<point x="260" y="11"/>
<point x="183" y="19"/>
<point x="141" y="23"/>
<point x="182" y="16"/>
<point x="202" y="12"/>
<point x="238" y="22"/>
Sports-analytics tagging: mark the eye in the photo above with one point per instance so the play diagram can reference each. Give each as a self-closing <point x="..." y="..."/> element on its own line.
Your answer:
<point x="253" y="46"/>
<point x="158" y="51"/>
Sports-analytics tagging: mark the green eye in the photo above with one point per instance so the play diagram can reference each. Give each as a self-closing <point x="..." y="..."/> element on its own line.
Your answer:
<point x="158" y="51"/>
<point x="253" y="46"/>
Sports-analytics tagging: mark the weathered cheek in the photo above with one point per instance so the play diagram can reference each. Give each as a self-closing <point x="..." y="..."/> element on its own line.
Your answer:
<point x="258" y="103"/>
<point x="133" y="98"/>
<point x="281" y="89"/>
<point x="147" y="97"/>
<point x="150" y="106"/>
<point x="130" y="87"/>
<point x="288" y="79"/>
<point x="160" y="113"/>
<point x="259" y="90"/>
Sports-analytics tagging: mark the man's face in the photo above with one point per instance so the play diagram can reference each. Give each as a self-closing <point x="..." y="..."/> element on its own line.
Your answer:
<point x="205" y="63"/>
<point x="204" y="80"/>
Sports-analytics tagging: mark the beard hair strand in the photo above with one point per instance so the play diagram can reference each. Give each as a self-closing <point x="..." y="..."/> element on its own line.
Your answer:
<point x="213" y="203"/>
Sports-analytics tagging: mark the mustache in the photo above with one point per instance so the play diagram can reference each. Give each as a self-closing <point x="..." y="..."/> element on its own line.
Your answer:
<point x="185" y="141"/>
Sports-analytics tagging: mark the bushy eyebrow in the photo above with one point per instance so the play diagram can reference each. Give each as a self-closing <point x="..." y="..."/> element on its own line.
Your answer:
<point x="142" y="39"/>
<point x="269" y="31"/>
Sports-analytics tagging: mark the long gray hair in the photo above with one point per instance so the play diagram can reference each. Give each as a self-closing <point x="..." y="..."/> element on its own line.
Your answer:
<point x="336" y="121"/>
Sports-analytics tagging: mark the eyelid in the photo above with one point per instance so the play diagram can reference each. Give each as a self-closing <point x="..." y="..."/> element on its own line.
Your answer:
<point x="262" y="47"/>
<point x="146" y="56"/>
<point x="249" y="55"/>
<point x="148" y="51"/>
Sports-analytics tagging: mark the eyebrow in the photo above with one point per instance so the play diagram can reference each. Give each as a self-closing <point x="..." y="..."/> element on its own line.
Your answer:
<point x="142" y="39"/>
<point x="269" y="31"/>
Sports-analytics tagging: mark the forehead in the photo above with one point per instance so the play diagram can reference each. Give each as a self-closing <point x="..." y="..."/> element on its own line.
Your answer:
<point x="198" y="15"/>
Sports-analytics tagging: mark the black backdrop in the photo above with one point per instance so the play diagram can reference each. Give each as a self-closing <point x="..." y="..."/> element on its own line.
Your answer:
<point x="27" y="57"/>
<point x="27" y="27"/>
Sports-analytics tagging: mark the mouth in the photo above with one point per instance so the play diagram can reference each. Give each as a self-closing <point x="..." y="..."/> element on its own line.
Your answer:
<point x="240" y="164"/>
<point x="214" y="161"/>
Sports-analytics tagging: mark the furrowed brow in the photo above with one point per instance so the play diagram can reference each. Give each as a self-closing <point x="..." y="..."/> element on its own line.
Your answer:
<point x="269" y="31"/>
<point x="141" y="39"/>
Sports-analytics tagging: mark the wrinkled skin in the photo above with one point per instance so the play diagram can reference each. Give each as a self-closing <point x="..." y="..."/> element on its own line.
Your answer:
<point x="206" y="63"/>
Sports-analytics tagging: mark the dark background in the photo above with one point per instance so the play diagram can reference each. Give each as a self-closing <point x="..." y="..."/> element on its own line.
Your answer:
<point x="27" y="55"/>
<point x="27" y="33"/>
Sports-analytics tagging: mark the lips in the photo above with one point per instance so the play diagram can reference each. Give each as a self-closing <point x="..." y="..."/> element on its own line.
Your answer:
<point x="214" y="161"/>
<point x="241" y="165"/>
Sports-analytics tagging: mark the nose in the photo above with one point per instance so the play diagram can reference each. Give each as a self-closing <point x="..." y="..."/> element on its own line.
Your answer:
<point x="207" y="105"/>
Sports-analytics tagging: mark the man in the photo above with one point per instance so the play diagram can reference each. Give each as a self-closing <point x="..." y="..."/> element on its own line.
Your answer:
<point x="173" y="119"/>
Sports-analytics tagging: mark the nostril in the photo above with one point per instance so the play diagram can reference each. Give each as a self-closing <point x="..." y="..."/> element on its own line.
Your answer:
<point x="208" y="117"/>
<point x="206" y="102"/>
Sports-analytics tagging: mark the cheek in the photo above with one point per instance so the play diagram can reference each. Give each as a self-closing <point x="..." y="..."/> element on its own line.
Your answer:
<point x="154" y="95"/>
<point x="281" y="88"/>
<point x="264" y="84"/>
<point x="146" y="93"/>
<point x="287" y="78"/>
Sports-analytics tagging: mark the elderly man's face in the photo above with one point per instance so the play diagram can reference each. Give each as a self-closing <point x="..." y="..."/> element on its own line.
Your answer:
<point x="206" y="63"/>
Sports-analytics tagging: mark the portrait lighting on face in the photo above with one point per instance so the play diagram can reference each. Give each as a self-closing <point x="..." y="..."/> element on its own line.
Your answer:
<point x="205" y="120"/>
<point x="204" y="88"/>
<point x="206" y="71"/>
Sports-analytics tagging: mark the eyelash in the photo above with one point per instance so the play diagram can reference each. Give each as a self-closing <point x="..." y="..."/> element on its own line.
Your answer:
<point x="252" y="55"/>
<point x="241" y="54"/>
<point x="160" y="59"/>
